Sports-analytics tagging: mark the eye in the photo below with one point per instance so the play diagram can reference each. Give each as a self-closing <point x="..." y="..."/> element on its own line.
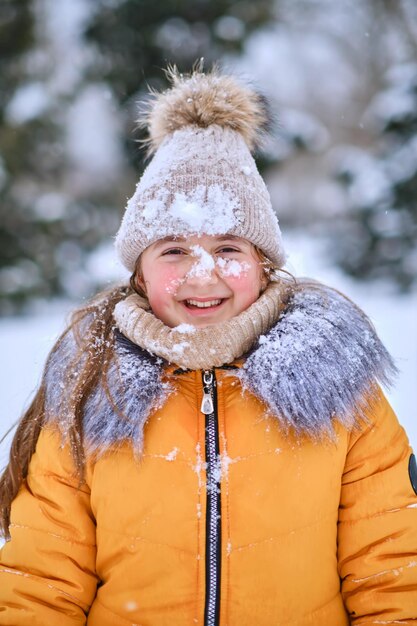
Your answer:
<point x="173" y="251"/>
<point x="227" y="249"/>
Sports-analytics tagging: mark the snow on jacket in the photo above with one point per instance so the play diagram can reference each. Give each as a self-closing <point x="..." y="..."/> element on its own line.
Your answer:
<point x="237" y="517"/>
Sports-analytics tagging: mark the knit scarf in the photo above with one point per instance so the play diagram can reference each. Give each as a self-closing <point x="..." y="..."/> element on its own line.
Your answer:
<point x="200" y="348"/>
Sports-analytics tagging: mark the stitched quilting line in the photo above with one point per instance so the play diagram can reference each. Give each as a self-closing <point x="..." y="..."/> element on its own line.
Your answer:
<point x="396" y="571"/>
<point x="165" y="457"/>
<point x="55" y="535"/>
<point x="149" y="541"/>
<point x="391" y="621"/>
<point x="293" y="531"/>
<point x="377" y="514"/>
<point x="61" y="481"/>
<point x="42" y="581"/>
<point x="378" y="472"/>
<point x="190" y="463"/>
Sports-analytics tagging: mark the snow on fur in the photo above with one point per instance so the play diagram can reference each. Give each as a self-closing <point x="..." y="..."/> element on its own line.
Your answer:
<point x="203" y="100"/>
<point x="320" y="362"/>
<point x="134" y="381"/>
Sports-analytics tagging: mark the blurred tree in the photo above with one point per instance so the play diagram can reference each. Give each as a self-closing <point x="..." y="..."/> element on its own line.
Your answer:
<point x="137" y="38"/>
<point x="378" y="237"/>
<point x="70" y="74"/>
<point x="16" y="38"/>
<point x="39" y="219"/>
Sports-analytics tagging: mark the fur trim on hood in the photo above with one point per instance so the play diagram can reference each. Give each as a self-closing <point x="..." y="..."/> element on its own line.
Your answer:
<point x="321" y="362"/>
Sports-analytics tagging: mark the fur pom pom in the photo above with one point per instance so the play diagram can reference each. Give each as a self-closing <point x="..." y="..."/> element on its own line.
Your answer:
<point x="201" y="100"/>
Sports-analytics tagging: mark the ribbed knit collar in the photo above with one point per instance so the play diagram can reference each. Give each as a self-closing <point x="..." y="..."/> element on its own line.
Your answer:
<point x="200" y="348"/>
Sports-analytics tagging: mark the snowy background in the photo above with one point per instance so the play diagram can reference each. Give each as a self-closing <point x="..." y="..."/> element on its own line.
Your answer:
<point x="341" y="163"/>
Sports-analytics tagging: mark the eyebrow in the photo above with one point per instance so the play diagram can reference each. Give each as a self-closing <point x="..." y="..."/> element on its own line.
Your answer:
<point x="229" y="237"/>
<point x="161" y="242"/>
<point x="171" y="238"/>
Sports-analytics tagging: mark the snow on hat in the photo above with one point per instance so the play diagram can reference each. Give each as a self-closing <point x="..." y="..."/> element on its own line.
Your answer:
<point x="202" y="178"/>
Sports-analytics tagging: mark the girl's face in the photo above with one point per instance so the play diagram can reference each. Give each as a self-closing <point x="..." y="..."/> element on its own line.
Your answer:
<point x="200" y="280"/>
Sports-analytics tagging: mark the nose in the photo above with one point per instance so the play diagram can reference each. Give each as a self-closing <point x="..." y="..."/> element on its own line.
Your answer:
<point x="199" y="275"/>
<point x="205" y="278"/>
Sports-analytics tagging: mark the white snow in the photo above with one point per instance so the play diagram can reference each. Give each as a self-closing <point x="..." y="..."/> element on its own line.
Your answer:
<point x="131" y="605"/>
<point x="28" y="102"/>
<point x="104" y="266"/>
<point x="93" y="131"/>
<point x="203" y="266"/>
<point x="173" y="285"/>
<point x="232" y="267"/>
<point x="171" y="456"/>
<point x="60" y="27"/>
<point x="25" y="344"/>
<point x="370" y="181"/>
<point x="230" y="28"/>
<point x="290" y="62"/>
<point x="178" y="348"/>
<point x="206" y="263"/>
<point x="206" y="209"/>
<point x="185" y="329"/>
<point x="306" y="127"/>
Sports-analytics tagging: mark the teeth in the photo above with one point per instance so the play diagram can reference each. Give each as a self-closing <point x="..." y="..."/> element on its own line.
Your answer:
<point x="203" y="305"/>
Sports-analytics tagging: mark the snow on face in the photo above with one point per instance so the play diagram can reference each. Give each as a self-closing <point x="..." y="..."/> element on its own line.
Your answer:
<point x="232" y="267"/>
<point x="205" y="263"/>
<point x="200" y="280"/>
<point x="173" y="285"/>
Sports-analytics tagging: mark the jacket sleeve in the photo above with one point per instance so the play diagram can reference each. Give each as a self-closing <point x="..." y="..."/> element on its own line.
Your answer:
<point x="377" y="532"/>
<point x="47" y="569"/>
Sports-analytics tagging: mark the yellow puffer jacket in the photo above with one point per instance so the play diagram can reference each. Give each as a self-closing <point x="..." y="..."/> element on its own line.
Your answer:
<point x="304" y="530"/>
<point x="223" y="508"/>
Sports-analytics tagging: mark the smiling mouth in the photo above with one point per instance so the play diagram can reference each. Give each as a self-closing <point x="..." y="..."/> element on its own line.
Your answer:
<point x="200" y="304"/>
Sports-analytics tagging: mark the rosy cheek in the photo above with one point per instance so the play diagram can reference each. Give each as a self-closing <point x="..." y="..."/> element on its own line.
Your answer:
<point x="168" y="280"/>
<point x="243" y="285"/>
<point x="246" y="283"/>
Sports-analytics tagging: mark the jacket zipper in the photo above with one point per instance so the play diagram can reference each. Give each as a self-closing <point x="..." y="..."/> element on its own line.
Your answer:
<point x="213" y="506"/>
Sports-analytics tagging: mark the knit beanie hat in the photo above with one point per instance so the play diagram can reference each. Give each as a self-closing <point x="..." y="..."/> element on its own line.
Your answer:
<point x="202" y="178"/>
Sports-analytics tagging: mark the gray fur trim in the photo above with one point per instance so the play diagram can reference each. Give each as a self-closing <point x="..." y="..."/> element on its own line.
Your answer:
<point x="137" y="389"/>
<point x="320" y="362"/>
<point x="134" y="381"/>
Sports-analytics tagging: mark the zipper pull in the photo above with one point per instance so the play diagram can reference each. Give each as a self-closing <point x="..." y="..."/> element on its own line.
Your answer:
<point x="207" y="405"/>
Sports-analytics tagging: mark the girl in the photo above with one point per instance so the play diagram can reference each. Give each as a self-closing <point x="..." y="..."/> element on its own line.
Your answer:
<point x="210" y="445"/>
